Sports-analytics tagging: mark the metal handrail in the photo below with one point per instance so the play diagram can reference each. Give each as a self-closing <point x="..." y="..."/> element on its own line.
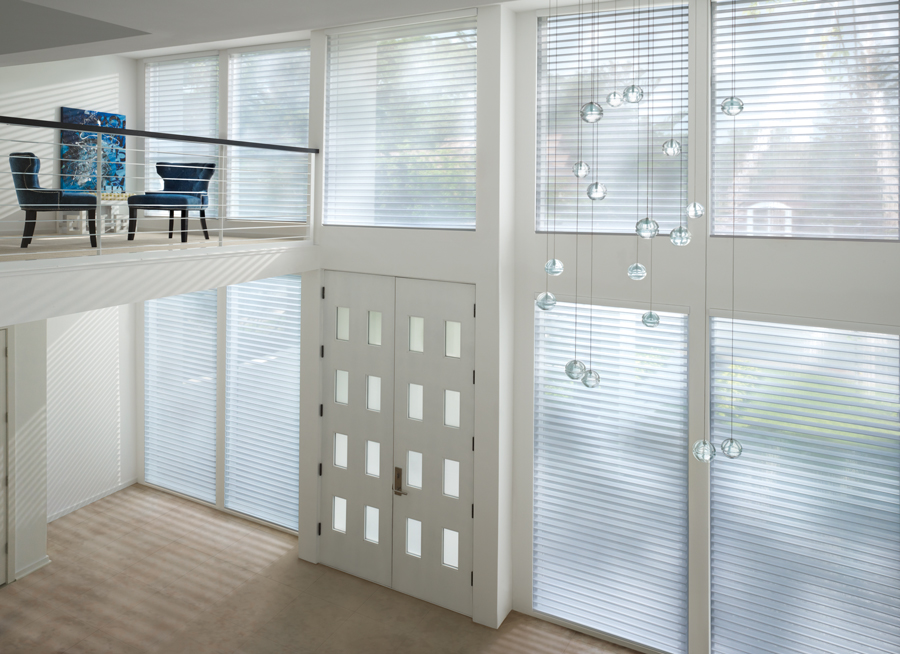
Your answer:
<point x="29" y="122"/>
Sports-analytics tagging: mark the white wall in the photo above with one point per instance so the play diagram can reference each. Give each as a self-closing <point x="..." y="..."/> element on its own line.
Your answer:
<point x="90" y="422"/>
<point x="38" y="91"/>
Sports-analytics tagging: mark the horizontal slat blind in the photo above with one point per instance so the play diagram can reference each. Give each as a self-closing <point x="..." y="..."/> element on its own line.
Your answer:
<point x="262" y="405"/>
<point x="180" y="394"/>
<point x="181" y="96"/>
<point x="806" y="523"/>
<point x="600" y="61"/>
<point x="400" y="127"/>
<point x="818" y="143"/>
<point x="269" y="103"/>
<point x="610" y="474"/>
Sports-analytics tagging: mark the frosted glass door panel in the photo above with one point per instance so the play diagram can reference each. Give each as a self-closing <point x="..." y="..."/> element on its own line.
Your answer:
<point x="374" y="328"/>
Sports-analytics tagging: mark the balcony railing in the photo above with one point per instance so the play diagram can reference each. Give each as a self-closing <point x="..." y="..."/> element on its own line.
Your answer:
<point x="153" y="191"/>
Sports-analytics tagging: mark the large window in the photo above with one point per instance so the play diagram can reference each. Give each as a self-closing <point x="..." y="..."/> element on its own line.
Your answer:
<point x="806" y="523"/>
<point x="180" y="394"/>
<point x="262" y="402"/>
<point x="400" y="127"/>
<point x="260" y="373"/>
<point x="610" y="474"/>
<point x="584" y="58"/>
<point x="815" y="151"/>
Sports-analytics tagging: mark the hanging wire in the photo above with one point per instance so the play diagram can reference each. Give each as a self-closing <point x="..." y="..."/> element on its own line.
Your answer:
<point x="733" y="202"/>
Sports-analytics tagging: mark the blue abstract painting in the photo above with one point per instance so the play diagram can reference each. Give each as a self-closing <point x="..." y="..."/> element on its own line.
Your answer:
<point x="78" y="154"/>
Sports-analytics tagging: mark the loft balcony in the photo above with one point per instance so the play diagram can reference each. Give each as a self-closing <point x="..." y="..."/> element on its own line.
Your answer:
<point x="73" y="190"/>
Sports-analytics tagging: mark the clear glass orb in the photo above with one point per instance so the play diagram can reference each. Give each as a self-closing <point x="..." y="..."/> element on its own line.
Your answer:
<point x="671" y="148"/>
<point x="633" y="94"/>
<point x="546" y="301"/>
<point x="591" y="379"/>
<point x="647" y="228"/>
<point x="650" y="319"/>
<point x="732" y="106"/>
<point x="704" y="451"/>
<point x="554" y="267"/>
<point x="581" y="170"/>
<point x="575" y="369"/>
<point x="695" y="210"/>
<point x="680" y="236"/>
<point x="637" y="272"/>
<point x="615" y="99"/>
<point x="596" y="191"/>
<point x="731" y="448"/>
<point x="591" y="112"/>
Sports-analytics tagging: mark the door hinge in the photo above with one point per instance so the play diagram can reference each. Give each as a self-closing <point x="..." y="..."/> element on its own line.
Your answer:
<point x="321" y="410"/>
<point x="320" y="529"/>
<point x="473" y="376"/>
<point x="473" y="510"/>
<point x="474" y="310"/>
<point x="473" y="443"/>
<point x="323" y="292"/>
<point x="472" y="578"/>
<point x="6" y="548"/>
<point x="322" y="352"/>
<point x="6" y="417"/>
<point x="6" y="481"/>
<point x="320" y="469"/>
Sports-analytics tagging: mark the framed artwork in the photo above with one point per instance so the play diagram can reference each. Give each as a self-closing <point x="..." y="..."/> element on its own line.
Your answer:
<point x="78" y="155"/>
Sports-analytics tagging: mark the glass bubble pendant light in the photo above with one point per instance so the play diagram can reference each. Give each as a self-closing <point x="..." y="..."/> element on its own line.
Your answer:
<point x="591" y="112"/>
<point x="731" y="447"/>
<point x="704" y="451"/>
<point x="545" y="301"/>
<point x="695" y="210"/>
<point x="646" y="228"/>
<point x="615" y="99"/>
<point x="671" y="148"/>
<point x="633" y="94"/>
<point x="732" y="106"/>
<point x="554" y="267"/>
<point x="591" y="379"/>
<point x="650" y="319"/>
<point x="581" y="170"/>
<point x="637" y="272"/>
<point x="596" y="191"/>
<point x="680" y="236"/>
<point x="575" y="369"/>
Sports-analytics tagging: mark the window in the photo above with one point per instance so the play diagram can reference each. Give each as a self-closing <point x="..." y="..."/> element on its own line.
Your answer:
<point x="806" y="523"/>
<point x="269" y="103"/>
<point x="262" y="402"/>
<point x="181" y="97"/>
<point x="816" y="147"/>
<point x="616" y="146"/>
<point x="400" y="127"/>
<point x="610" y="474"/>
<point x="180" y="394"/>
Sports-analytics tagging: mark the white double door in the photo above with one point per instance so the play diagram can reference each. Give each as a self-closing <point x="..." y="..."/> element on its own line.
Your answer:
<point x="398" y="430"/>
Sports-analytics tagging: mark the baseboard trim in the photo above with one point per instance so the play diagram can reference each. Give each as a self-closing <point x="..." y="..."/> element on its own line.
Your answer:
<point x="31" y="568"/>
<point x="90" y="500"/>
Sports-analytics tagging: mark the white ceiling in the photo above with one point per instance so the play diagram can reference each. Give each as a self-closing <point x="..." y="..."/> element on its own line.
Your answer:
<point x="174" y="23"/>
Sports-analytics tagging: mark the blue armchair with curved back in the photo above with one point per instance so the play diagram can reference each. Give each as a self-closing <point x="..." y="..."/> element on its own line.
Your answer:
<point x="185" y="188"/>
<point x="25" y="167"/>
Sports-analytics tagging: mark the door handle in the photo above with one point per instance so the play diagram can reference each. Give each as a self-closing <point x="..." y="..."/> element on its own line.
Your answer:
<point x="398" y="482"/>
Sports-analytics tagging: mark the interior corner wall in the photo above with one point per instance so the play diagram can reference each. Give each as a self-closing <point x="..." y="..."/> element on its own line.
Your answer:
<point x="38" y="91"/>
<point x="90" y="389"/>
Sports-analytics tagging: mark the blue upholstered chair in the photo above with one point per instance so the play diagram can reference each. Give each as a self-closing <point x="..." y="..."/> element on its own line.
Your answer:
<point x="185" y="188"/>
<point x="32" y="198"/>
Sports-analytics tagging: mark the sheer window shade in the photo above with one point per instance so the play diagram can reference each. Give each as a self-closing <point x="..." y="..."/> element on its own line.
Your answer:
<point x="610" y="474"/>
<point x="400" y="127"/>
<point x="806" y="523"/>
<point x="269" y="103"/>
<point x="817" y="144"/>
<point x="262" y="403"/>
<point x="181" y="96"/>
<point x="614" y="145"/>
<point x="180" y="394"/>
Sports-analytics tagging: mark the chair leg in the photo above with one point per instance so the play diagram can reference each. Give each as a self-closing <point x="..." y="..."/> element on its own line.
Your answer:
<point x="203" y="223"/>
<point x="171" y="221"/>
<point x="92" y="226"/>
<point x="184" y="226"/>
<point x="132" y="222"/>
<point x="30" y="221"/>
